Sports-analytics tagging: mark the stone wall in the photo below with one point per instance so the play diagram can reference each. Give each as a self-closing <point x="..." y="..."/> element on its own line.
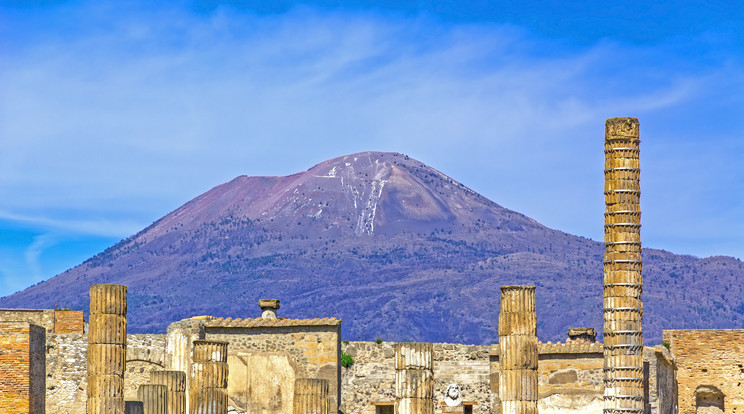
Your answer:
<point x="265" y="356"/>
<point x="570" y="377"/>
<point x="370" y="381"/>
<point x="40" y="317"/>
<point x="661" y="375"/>
<point x="66" y="366"/>
<point x="53" y="321"/>
<point x="710" y="363"/>
<point x="22" y="367"/>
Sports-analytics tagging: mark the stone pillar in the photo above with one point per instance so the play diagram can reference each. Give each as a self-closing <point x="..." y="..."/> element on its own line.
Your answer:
<point x="107" y="342"/>
<point x="269" y="308"/>
<point x="311" y="396"/>
<point x="179" y="347"/>
<point x="154" y="398"/>
<point x="414" y="378"/>
<point x="175" y="383"/>
<point x="623" y="310"/>
<point x="518" y="350"/>
<point x="208" y="385"/>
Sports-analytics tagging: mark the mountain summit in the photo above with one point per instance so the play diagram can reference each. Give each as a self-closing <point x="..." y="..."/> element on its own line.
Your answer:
<point x="394" y="247"/>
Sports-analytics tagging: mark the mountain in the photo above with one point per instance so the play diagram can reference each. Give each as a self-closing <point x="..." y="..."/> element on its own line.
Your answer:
<point x="394" y="247"/>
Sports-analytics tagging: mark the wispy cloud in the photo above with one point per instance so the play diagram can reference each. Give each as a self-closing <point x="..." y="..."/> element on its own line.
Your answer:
<point x="134" y="113"/>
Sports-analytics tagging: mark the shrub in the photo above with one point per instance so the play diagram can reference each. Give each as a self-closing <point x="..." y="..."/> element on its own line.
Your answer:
<point x="346" y="342"/>
<point x="346" y="360"/>
<point x="378" y="340"/>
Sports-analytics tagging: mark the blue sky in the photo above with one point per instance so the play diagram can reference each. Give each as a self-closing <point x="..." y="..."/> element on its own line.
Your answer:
<point x="114" y="114"/>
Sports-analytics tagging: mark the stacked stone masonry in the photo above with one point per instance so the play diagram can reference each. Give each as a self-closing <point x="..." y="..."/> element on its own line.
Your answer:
<point x="175" y="387"/>
<point x="414" y="378"/>
<point x="208" y="378"/>
<point x="623" y="284"/>
<point x="106" y="353"/>
<point x="710" y="364"/>
<point x="518" y="383"/>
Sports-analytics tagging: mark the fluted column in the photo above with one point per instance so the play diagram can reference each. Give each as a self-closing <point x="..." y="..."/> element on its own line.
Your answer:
<point x="208" y="385"/>
<point x="175" y="383"/>
<point x="311" y="396"/>
<point x="623" y="283"/>
<point x="414" y="378"/>
<point x="518" y="350"/>
<point x="154" y="398"/>
<point x="106" y="356"/>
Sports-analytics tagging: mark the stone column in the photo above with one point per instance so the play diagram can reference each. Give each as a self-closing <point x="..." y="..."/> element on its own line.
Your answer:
<point x="107" y="341"/>
<point x="208" y="392"/>
<point x="623" y="310"/>
<point x="414" y="378"/>
<point x="518" y="350"/>
<point x="175" y="383"/>
<point x="311" y="396"/>
<point x="179" y="347"/>
<point x="154" y="398"/>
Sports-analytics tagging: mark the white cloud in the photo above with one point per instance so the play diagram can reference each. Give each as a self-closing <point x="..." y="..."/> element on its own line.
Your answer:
<point x="134" y="120"/>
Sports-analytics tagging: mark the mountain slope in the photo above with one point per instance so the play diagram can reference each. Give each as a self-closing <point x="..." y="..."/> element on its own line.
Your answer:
<point x="396" y="248"/>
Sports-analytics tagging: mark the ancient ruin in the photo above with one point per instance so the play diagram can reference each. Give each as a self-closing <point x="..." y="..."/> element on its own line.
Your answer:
<point x="107" y="342"/>
<point x="518" y="342"/>
<point x="623" y="284"/>
<point x="414" y="378"/>
<point x="50" y="362"/>
<point x="208" y="378"/>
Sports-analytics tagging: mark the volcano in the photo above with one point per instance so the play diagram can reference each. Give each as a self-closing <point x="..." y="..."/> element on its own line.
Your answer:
<point x="396" y="248"/>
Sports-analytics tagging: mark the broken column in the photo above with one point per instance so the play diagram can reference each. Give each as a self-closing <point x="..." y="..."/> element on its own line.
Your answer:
<point x="107" y="340"/>
<point x="518" y="350"/>
<point x="414" y="378"/>
<point x="311" y="396"/>
<point x="269" y="308"/>
<point x="154" y="398"/>
<point x="208" y="385"/>
<point x="623" y="284"/>
<point x="175" y="383"/>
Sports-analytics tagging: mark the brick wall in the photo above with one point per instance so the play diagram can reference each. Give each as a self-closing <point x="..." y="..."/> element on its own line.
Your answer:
<point x="22" y="366"/>
<point x="68" y="322"/>
<point x="708" y="360"/>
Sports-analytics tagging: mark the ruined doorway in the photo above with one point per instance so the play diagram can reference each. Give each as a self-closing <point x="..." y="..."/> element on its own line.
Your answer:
<point x="709" y="400"/>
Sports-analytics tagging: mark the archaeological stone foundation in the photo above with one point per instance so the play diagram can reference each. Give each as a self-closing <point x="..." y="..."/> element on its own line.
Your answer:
<point x="52" y="361"/>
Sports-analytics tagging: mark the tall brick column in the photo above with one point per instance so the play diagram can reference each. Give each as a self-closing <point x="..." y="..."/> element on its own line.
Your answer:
<point x="208" y="385"/>
<point x="623" y="284"/>
<point x="518" y="350"/>
<point x="311" y="396"/>
<point x="414" y="378"/>
<point x="22" y="368"/>
<point x="175" y="382"/>
<point x="107" y="342"/>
